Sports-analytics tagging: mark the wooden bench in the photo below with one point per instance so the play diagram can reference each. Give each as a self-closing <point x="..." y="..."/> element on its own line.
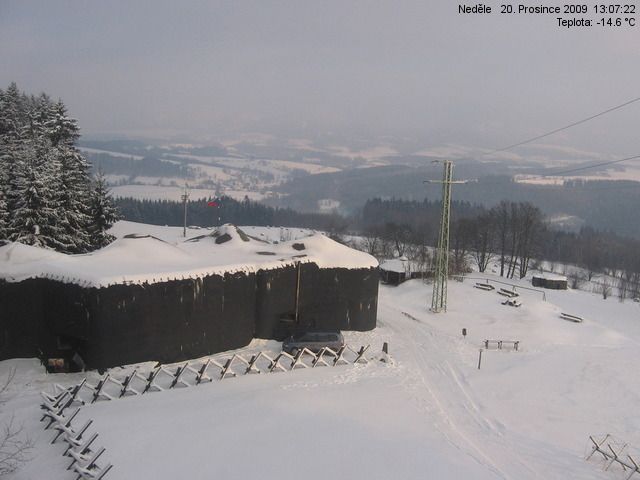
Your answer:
<point x="484" y="286"/>
<point x="508" y="293"/>
<point x="499" y="343"/>
<point x="571" y="318"/>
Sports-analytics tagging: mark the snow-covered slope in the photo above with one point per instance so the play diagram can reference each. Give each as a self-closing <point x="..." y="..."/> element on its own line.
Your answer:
<point x="432" y="414"/>
<point x="139" y="256"/>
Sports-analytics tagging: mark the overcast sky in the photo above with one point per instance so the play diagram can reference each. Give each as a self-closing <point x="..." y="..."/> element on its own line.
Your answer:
<point x="405" y="68"/>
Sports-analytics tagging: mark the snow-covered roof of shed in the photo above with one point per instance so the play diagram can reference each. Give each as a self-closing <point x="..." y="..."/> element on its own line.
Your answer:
<point x="138" y="258"/>
<point x="550" y="276"/>
<point x="395" y="265"/>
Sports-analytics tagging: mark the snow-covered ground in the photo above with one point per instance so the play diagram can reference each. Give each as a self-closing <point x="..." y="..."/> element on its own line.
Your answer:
<point x="431" y="414"/>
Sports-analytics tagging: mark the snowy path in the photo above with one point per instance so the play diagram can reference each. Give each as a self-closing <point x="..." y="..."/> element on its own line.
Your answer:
<point x="442" y="374"/>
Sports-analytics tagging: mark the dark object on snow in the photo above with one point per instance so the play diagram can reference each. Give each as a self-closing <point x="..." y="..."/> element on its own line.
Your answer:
<point x="225" y="237"/>
<point x="298" y="246"/>
<point x="314" y="341"/>
<point x="553" y="282"/>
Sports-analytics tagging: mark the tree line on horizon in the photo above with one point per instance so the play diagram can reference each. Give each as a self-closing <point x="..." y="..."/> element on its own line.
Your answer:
<point x="47" y="196"/>
<point x="227" y="210"/>
<point x="515" y="235"/>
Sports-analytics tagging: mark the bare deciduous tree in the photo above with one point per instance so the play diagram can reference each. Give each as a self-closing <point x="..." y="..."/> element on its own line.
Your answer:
<point x="14" y="446"/>
<point x="605" y="288"/>
<point x="576" y="278"/>
<point x="483" y="241"/>
<point x="463" y="235"/>
<point x="371" y="242"/>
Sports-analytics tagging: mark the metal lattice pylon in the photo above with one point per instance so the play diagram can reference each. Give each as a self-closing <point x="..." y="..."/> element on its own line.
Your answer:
<point x="439" y="296"/>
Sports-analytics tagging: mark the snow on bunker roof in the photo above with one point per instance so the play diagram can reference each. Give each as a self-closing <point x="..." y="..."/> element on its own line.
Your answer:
<point x="139" y="258"/>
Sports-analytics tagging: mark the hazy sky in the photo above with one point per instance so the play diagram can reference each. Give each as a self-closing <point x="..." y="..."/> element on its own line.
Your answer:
<point x="416" y="69"/>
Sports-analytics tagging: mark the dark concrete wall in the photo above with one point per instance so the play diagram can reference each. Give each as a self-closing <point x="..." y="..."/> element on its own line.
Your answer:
<point x="549" y="283"/>
<point x="42" y="317"/>
<point x="21" y="319"/>
<point x="182" y="319"/>
<point x="332" y="298"/>
<point x="340" y="298"/>
<point x="171" y="321"/>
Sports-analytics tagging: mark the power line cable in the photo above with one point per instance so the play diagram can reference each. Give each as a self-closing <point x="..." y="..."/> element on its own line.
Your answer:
<point x="586" y="167"/>
<point x="509" y="147"/>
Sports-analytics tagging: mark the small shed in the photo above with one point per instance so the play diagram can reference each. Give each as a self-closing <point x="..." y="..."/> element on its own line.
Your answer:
<point x="394" y="271"/>
<point x="549" y="280"/>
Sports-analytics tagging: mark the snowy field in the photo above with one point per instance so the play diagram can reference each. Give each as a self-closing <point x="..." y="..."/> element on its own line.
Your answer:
<point x="236" y="177"/>
<point x="431" y="414"/>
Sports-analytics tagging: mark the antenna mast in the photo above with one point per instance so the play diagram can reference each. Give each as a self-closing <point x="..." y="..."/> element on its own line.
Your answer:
<point x="439" y="296"/>
<point x="185" y="197"/>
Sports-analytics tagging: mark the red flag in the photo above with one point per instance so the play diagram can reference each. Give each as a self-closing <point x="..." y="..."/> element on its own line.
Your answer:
<point x="212" y="203"/>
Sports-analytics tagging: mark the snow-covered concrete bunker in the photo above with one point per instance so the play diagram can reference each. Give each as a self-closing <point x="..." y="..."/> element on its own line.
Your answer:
<point x="143" y="299"/>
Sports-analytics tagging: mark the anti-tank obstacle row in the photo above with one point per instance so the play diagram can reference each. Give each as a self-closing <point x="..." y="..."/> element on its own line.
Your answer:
<point x="84" y="458"/>
<point x="614" y="453"/>
<point x="110" y="387"/>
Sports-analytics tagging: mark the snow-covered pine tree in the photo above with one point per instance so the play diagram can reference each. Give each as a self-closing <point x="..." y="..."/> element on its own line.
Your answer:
<point x="11" y="122"/>
<point x="103" y="213"/>
<point x="4" y="210"/>
<point x="35" y="187"/>
<point x="34" y="220"/>
<point x="75" y="188"/>
<point x="46" y="194"/>
<point x="4" y="178"/>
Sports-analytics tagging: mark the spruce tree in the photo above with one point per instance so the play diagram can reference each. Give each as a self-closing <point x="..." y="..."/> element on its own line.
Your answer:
<point x="103" y="213"/>
<point x="4" y="178"/>
<point x="73" y="209"/>
<point x="34" y="219"/>
<point x="46" y="195"/>
<point x="12" y="120"/>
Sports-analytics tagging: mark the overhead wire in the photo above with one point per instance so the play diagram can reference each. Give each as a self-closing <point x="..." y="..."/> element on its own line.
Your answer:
<point x="557" y="130"/>
<point x="586" y="167"/>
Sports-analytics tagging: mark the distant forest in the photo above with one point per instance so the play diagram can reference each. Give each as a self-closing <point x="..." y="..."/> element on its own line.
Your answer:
<point x="246" y="212"/>
<point x="603" y="204"/>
